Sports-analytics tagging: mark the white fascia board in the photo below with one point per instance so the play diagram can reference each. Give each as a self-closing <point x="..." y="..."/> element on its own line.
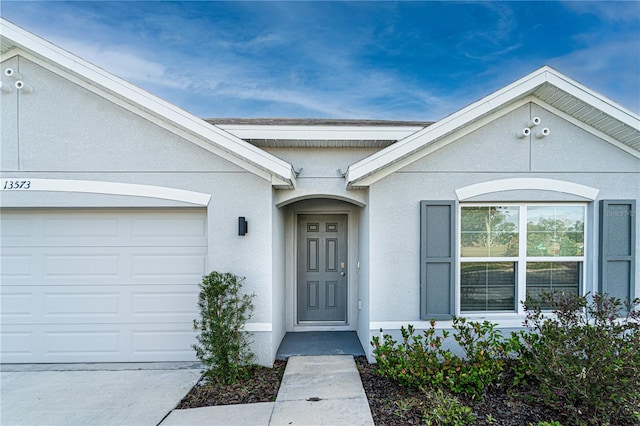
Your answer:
<point x="434" y="145"/>
<point x="374" y="163"/>
<point x="597" y="133"/>
<point x="328" y="133"/>
<point x="368" y="168"/>
<point x="226" y="141"/>
<point x="594" y="99"/>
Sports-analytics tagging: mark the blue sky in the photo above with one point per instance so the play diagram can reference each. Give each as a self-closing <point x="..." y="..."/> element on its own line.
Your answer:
<point x="370" y="60"/>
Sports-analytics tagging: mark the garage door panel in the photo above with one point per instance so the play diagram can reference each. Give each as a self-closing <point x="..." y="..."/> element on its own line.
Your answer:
<point x="170" y="227"/>
<point x="106" y="265"/>
<point x="104" y="228"/>
<point x="100" y="286"/>
<point x="81" y="265"/>
<point x="102" y="343"/>
<point x="163" y="343"/>
<point x="78" y="343"/>
<point x="162" y="304"/>
<point x="165" y="307"/>
<point x="18" y="306"/>
<point x="18" y="345"/>
<point x="165" y="265"/>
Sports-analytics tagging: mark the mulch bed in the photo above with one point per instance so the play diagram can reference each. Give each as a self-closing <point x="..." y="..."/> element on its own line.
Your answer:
<point x="262" y="386"/>
<point x="390" y="403"/>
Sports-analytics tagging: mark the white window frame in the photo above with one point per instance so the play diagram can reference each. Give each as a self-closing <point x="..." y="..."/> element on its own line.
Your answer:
<point x="522" y="258"/>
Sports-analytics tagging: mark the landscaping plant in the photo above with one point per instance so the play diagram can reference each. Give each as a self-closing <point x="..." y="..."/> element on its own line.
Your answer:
<point x="222" y="344"/>
<point x="421" y="360"/>
<point x="584" y="358"/>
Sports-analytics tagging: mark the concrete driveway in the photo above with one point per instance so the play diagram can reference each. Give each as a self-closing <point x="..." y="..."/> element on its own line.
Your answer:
<point x="93" y="394"/>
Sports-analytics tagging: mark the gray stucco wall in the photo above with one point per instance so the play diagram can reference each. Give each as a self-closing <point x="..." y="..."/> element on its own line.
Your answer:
<point x="64" y="131"/>
<point x="492" y="152"/>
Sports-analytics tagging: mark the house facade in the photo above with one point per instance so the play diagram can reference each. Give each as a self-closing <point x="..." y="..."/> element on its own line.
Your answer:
<point x="115" y="203"/>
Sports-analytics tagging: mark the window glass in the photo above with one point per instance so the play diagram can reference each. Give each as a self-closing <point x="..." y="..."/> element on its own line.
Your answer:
<point x="489" y="231"/>
<point x="549" y="276"/>
<point x="555" y="231"/>
<point x="487" y="286"/>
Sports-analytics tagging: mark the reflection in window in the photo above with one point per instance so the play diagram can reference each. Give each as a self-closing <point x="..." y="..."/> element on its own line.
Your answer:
<point x="545" y="277"/>
<point x="496" y="274"/>
<point x="489" y="231"/>
<point x="555" y="231"/>
<point x="487" y="286"/>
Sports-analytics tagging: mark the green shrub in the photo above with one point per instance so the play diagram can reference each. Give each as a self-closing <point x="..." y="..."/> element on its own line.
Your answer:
<point x="583" y="360"/>
<point x="222" y="345"/>
<point x="446" y="410"/>
<point x="420" y="360"/>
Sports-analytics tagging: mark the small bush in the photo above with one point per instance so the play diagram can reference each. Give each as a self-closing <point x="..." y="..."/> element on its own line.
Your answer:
<point x="223" y="346"/>
<point x="584" y="360"/>
<point x="446" y="410"/>
<point x="420" y="360"/>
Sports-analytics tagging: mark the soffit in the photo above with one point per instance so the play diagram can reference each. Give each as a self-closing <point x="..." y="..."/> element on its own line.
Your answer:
<point x="318" y="133"/>
<point x="589" y="114"/>
<point x="170" y="116"/>
<point x="608" y="119"/>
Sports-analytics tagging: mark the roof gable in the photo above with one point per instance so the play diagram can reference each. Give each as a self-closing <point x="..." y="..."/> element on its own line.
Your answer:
<point x="546" y="87"/>
<point x="17" y="41"/>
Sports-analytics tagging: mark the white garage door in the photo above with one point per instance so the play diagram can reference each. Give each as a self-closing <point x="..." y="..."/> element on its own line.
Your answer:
<point x="100" y="285"/>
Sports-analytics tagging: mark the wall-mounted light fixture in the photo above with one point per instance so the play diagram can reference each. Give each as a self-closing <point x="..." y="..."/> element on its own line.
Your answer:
<point x="243" y="226"/>
<point x="5" y="88"/>
<point x="15" y="75"/>
<point x="24" y="88"/>
<point x="524" y="133"/>
<point x="543" y="133"/>
<point x="533" y="122"/>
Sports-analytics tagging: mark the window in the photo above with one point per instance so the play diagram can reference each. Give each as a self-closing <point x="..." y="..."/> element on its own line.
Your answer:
<point x="512" y="252"/>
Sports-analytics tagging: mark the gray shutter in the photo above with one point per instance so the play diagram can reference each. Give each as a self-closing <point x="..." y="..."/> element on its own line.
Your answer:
<point x="437" y="259"/>
<point x="617" y="258"/>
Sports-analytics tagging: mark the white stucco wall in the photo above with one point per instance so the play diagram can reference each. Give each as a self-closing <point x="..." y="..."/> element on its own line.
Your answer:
<point x="491" y="153"/>
<point x="278" y="308"/>
<point x="321" y="173"/>
<point x="64" y="131"/>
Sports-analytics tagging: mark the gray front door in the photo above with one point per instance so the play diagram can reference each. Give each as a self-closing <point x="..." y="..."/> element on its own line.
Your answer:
<point x="322" y="268"/>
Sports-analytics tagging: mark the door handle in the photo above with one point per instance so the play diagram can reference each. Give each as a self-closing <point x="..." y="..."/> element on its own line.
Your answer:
<point x="343" y="273"/>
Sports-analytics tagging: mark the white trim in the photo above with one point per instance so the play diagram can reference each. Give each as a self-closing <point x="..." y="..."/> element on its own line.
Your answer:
<point x="597" y="133"/>
<point x="146" y="102"/>
<point x="516" y="184"/>
<point x="369" y="170"/>
<point x="506" y="320"/>
<point x="258" y="326"/>
<point x="325" y="133"/>
<point x="111" y="188"/>
<point x="232" y="157"/>
<point x="378" y="171"/>
<point x="521" y="259"/>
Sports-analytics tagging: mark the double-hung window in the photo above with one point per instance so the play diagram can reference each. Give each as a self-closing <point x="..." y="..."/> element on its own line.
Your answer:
<point x="509" y="253"/>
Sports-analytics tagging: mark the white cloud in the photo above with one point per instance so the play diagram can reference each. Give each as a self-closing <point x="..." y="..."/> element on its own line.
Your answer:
<point x="127" y="64"/>
<point x="592" y="66"/>
<point x="611" y="11"/>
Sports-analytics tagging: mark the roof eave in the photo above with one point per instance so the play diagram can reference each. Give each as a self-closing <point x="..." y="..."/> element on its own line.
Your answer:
<point x="363" y="173"/>
<point x="280" y="170"/>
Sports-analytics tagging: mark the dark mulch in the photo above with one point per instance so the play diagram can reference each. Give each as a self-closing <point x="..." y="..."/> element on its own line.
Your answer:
<point x="262" y="386"/>
<point x="390" y="403"/>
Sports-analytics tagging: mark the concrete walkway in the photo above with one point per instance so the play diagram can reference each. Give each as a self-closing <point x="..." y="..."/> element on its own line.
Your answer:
<point x="315" y="390"/>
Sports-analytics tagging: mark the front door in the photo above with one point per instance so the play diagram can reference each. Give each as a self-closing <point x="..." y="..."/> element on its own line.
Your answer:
<point x="322" y="268"/>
